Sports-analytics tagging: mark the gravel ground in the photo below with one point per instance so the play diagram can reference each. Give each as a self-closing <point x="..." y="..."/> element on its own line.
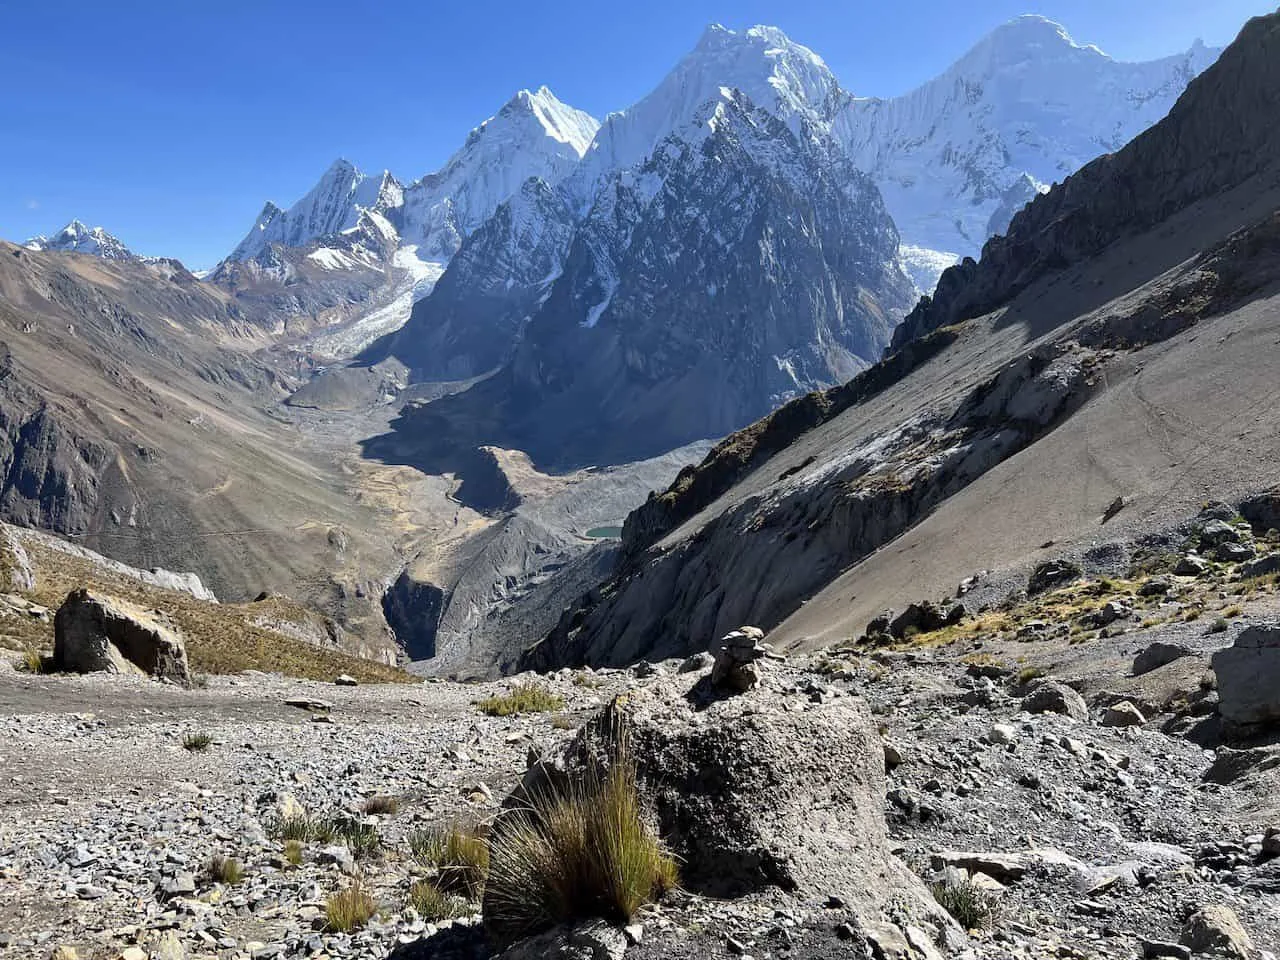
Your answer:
<point x="1103" y="839"/>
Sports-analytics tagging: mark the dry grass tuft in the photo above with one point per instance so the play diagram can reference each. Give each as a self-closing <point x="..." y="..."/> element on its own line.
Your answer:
<point x="522" y="698"/>
<point x="32" y="661"/>
<point x="227" y="870"/>
<point x="349" y="909"/>
<point x="583" y="851"/>
<point x="293" y="852"/>
<point x="196" y="742"/>
<point x="434" y="904"/>
<point x="458" y="854"/>
<point x="971" y="906"/>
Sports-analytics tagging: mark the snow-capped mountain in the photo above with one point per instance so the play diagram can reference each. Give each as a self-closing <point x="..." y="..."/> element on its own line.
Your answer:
<point x="342" y="202"/>
<point x="76" y="237"/>
<point x="957" y="157"/>
<point x="350" y="215"/>
<point x="778" y="75"/>
<point x="738" y="265"/>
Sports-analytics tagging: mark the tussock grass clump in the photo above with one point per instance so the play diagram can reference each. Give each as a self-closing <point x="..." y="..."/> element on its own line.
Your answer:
<point x="1233" y="611"/>
<point x="196" y="742"/>
<point x="1219" y="625"/>
<point x="32" y="661"/>
<point x="433" y="904"/>
<point x="523" y="698"/>
<point x="349" y="909"/>
<point x="303" y="828"/>
<point x="362" y="839"/>
<point x="1027" y="674"/>
<point x="971" y="906"/>
<point x="459" y="855"/>
<point x="222" y="869"/>
<point x="293" y="852"/>
<point x="382" y="805"/>
<point x="577" y="852"/>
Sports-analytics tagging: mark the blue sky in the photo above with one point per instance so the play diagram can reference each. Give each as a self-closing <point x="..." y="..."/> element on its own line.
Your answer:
<point x="171" y="123"/>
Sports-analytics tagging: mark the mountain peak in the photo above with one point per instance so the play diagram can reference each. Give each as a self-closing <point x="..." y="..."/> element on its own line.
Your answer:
<point x="558" y="120"/>
<point x="78" y="237"/>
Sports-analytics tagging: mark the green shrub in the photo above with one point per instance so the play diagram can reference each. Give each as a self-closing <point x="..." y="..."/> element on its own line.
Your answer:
<point x="349" y="909"/>
<point x="293" y="851"/>
<point x="582" y="851"/>
<point x="434" y="904"/>
<point x="197" y="742"/>
<point x="303" y="828"/>
<point x="971" y="906"/>
<point x="362" y="839"/>
<point x="523" y="698"/>
<point x="1219" y="625"/>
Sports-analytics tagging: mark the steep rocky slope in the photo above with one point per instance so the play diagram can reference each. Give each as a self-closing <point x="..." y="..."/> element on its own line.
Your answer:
<point x="136" y="420"/>
<point x="1098" y="380"/>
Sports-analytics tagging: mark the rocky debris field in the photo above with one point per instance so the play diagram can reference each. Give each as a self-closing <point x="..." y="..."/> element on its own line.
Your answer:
<point x="1088" y="769"/>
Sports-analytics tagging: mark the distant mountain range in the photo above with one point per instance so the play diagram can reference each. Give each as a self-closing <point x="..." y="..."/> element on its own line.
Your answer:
<point x="747" y="232"/>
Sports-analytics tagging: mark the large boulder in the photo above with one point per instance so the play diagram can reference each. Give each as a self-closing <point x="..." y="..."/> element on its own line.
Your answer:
<point x="93" y="633"/>
<point x="1049" y="696"/>
<point x="1249" y="677"/>
<point x="924" y="617"/>
<point x="1263" y="510"/>
<point x="759" y="792"/>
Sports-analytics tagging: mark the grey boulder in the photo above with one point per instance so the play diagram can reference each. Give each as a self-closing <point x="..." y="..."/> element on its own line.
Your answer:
<point x="1049" y="696"/>
<point x="93" y="633"/>
<point x="1249" y="677"/>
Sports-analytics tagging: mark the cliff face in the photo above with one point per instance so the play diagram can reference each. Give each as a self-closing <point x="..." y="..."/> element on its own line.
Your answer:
<point x="1221" y="132"/>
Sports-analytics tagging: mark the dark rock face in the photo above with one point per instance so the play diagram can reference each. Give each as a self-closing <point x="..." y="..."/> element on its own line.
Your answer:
<point x="412" y="609"/>
<point x="733" y="458"/>
<point x="1249" y="679"/>
<point x="498" y="279"/>
<point x="50" y="472"/>
<point x="1221" y="132"/>
<point x="1053" y="574"/>
<point x="94" y="633"/>
<point x="728" y="274"/>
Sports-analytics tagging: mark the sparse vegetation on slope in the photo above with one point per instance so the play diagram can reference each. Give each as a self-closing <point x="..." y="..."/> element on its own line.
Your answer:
<point x="523" y="698"/>
<point x="220" y="637"/>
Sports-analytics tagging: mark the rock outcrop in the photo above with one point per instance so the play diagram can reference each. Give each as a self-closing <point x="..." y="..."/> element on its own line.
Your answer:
<point x="94" y="633"/>
<point x="759" y="791"/>
<point x="761" y="558"/>
<point x="1249" y="678"/>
